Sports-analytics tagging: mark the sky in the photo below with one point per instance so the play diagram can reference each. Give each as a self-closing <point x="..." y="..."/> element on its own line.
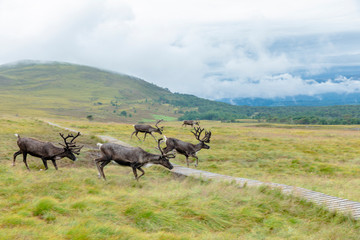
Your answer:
<point x="210" y="48"/>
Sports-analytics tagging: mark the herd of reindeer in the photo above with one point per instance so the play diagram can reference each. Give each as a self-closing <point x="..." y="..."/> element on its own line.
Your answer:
<point x="134" y="157"/>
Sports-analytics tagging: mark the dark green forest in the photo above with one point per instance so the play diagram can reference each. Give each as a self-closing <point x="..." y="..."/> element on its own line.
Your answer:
<point x="210" y="110"/>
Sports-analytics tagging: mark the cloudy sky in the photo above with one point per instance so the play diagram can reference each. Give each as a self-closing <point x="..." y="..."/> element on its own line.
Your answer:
<point x="210" y="48"/>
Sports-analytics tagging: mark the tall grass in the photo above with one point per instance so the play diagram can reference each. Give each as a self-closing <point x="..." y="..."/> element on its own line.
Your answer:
<point x="72" y="203"/>
<point x="320" y="158"/>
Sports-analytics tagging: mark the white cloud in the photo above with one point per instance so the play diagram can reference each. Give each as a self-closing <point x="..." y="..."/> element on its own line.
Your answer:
<point x="209" y="48"/>
<point x="282" y="86"/>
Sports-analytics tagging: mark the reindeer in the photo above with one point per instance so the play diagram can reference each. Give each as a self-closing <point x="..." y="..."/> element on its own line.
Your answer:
<point x="133" y="157"/>
<point x="191" y="123"/>
<point x="188" y="149"/>
<point x="46" y="150"/>
<point x="147" y="129"/>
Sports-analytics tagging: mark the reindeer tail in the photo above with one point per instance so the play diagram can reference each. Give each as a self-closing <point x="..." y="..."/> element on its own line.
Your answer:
<point x="165" y="138"/>
<point x="99" y="145"/>
<point x="17" y="135"/>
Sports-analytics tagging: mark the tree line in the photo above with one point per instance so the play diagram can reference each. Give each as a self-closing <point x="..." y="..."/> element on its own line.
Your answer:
<point x="202" y="109"/>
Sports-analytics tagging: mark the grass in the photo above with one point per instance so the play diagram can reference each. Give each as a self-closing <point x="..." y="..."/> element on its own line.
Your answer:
<point x="72" y="203"/>
<point x="84" y="91"/>
<point x="320" y="158"/>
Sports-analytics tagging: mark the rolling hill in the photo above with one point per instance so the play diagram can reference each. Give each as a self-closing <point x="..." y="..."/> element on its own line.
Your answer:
<point x="64" y="89"/>
<point x="55" y="89"/>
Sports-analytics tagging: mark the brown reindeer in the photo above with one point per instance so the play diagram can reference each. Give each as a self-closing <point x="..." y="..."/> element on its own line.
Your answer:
<point x="191" y="123"/>
<point x="189" y="149"/>
<point x="46" y="150"/>
<point x="147" y="129"/>
<point x="133" y="157"/>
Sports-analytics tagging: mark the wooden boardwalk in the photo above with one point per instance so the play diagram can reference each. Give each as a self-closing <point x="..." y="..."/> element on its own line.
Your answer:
<point x="332" y="203"/>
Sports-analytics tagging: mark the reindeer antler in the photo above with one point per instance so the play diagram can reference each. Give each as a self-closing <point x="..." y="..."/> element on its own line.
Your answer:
<point x="78" y="134"/>
<point x="71" y="145"/>
<point x="168" y="155"/>
<point x="159" y="147"/>
<point x="198" y="132"/>
<point x="76" y="150"/>
<point x="207" y="137"/>
<point x="156" y="124"/>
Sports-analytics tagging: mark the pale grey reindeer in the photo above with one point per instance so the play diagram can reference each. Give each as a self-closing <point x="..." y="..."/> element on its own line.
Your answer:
<point x="46" y="150"/>
<point x="189" y="149"/>
<point x="133" y="157"/>
<point x="147" y="129"/>
<point x="191" y="123"/>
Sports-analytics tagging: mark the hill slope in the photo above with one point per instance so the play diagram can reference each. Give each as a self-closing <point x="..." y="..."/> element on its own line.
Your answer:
<point x="67" y="89"/>
<point x="63" y="89"/>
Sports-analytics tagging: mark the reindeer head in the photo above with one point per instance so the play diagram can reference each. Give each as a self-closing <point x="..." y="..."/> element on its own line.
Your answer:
<point x="70" y="148"/>
<point x="164" y="158"/>
<point x="206" y="139"/>
<point x="159" y="130"/>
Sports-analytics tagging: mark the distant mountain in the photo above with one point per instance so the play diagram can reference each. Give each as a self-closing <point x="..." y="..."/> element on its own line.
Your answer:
<point x="325" y="99"/>
<point x="331" y="73"/>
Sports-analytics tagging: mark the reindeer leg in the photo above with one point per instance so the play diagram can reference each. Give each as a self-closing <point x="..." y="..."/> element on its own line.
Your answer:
<point x="141" y="170"/>
<point x="187" y="160"/>
<point x="54" y="163"/>
<point x="136" y="134"/>
<point x="145" y="136"/>
<point x="132" y="134"/>
<point x="135" y="173"/>
<point x="15" y="155"/>
<point x="103" y="164"/>
<point x="153" y="136"/>
<point x="197" y="160"/>
<point x="97" y="166"/>
<point x="45" y="164"/>
<point x="24" y="160"/>
<point x="167" y="149"/>
<point x="97" y="162"/>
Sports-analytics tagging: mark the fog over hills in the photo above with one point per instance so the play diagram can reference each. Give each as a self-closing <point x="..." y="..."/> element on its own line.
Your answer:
<point x="341" y="86"/>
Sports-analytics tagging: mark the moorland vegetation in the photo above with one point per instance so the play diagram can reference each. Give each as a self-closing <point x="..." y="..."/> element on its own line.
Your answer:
<point x="72" y="203"/>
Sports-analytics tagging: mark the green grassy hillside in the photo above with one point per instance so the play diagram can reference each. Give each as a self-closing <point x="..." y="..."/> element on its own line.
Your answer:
<point x="61" y="89"/>
<point x="68" y="90"/>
